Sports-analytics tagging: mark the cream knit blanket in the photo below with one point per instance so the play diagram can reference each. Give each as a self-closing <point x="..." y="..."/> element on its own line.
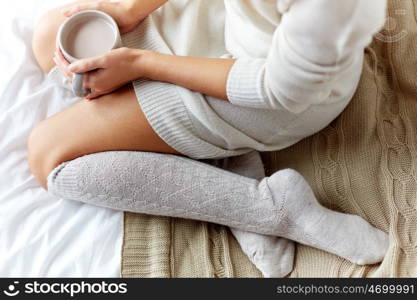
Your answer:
<point x="364" y="163"/>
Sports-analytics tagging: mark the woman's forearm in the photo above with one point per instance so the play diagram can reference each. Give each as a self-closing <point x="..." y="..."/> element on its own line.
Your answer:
<point x="207" y="76"/>
<point x="142" y="8"/>
<point x="204" y="75"/>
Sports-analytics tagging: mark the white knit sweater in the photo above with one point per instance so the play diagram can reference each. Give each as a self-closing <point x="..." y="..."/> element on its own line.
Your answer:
<point x="298" y="65"/>
<point x="304" y="46"/>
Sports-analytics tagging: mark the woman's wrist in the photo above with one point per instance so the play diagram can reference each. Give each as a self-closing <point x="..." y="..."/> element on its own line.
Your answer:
<point x="140" y="9"/>
<point x="132" y="10"/>
<point x="143" y="63"/>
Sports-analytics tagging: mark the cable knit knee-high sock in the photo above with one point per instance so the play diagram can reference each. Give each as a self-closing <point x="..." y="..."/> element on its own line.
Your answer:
<point x="273" y="256"/>
<point x="160" y="184"/>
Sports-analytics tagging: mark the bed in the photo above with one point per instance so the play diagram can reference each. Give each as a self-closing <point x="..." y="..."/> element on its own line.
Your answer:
<point x="363" y="163"/>
<point x="41" y="235"/>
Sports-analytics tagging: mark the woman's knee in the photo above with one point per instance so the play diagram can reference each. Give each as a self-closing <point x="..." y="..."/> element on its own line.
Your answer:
<point x="44" y="36"/>
<point x="44" y="154"/>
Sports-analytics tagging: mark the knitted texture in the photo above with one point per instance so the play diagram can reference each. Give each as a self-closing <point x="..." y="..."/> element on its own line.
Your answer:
<point x="281" y="205"/>
<point x="169" y="185"/>
<point x="363" y="163"/>
<point x="273" y="256"/>
<point x="159" y="237"/>
<point x="293" y="91"/>
<point x="162" y="103"/>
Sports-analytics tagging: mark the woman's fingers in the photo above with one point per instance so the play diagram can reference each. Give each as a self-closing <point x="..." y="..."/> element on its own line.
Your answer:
<point x="86" y="65"/>
<point x="62" y="58"/>
<point x="62" y="64"/>
<point x="93" y="95"/>
<point x="71" y="10"/>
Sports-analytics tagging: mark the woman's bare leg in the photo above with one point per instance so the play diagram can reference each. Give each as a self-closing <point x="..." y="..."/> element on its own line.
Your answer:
<point x="112" y="122"/>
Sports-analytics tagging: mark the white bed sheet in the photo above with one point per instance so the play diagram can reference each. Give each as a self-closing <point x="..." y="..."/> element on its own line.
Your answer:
<point x="41" y="235"/>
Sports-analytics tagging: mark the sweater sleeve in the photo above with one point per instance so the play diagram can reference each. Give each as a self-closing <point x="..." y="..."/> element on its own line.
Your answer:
<point x="316" y="41"/>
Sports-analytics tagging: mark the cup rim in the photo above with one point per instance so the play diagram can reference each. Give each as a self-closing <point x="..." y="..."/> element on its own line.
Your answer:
<point x="78" y="15"/>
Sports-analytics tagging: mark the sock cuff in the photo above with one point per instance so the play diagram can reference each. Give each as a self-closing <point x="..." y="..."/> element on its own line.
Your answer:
<point x="63" y="181"/>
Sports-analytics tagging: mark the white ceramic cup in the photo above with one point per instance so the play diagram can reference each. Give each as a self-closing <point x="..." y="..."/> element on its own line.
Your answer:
<point x="68" y="30"/>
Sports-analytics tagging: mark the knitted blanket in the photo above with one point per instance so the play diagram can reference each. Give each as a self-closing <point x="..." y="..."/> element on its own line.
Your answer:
<point x="364" y="163"/>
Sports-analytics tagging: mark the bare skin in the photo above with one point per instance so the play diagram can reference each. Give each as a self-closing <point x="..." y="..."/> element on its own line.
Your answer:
<point x="113" y="122"/>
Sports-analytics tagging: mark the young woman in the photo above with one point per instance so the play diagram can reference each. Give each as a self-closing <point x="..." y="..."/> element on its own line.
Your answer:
<point x="211" y="79"/>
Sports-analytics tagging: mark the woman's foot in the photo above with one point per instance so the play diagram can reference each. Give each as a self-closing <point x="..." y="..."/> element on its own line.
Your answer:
<point x="273" y="256"/>
<point x="304" y="220"/>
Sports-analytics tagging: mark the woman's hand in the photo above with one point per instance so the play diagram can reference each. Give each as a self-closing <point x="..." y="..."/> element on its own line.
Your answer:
<point x="108" y="72"/>
<point x="62" y="63"/>
<point x="124" y="12"/>
<point x="104" y="73"/>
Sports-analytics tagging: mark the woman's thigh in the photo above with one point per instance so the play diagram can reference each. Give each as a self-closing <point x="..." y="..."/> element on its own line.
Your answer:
<point x="110" y="123"/>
